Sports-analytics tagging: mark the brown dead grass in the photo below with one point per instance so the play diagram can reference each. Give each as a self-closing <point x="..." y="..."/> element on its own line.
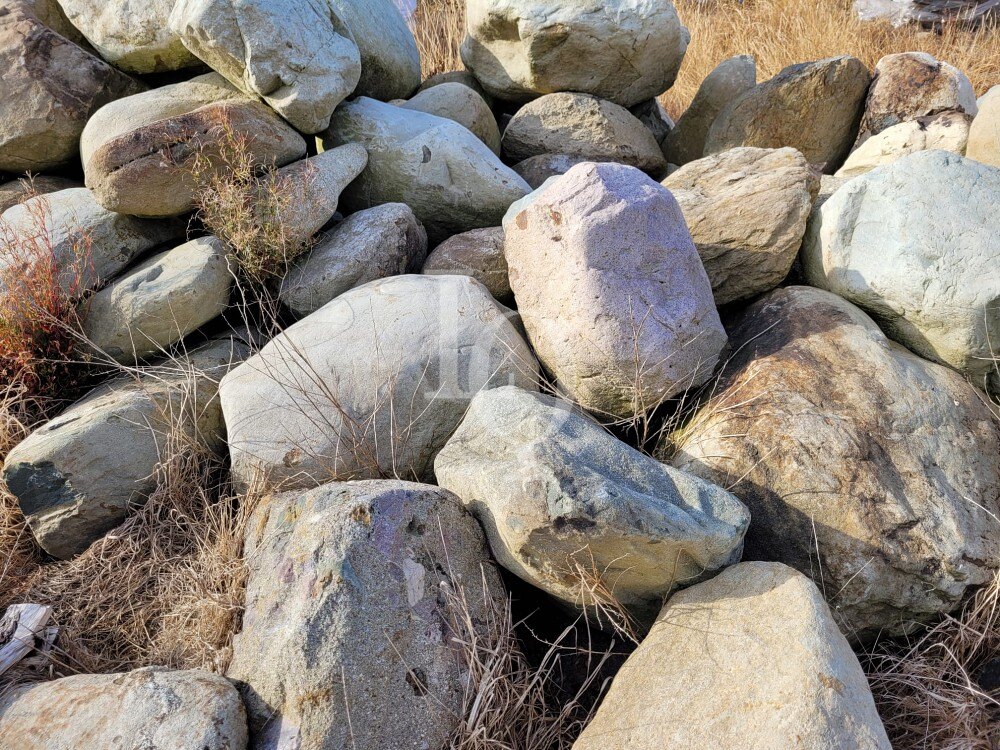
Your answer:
<point x="776" y="32"/>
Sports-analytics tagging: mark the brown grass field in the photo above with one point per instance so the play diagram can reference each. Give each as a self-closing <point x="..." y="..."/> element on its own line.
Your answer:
<point x="776" y="32"/>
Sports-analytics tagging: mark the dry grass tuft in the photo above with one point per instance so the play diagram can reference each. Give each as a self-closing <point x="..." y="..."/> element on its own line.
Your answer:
<point x="776" y="32"/>
<point x="510" y="703"/>
<point x="927" y="691"/>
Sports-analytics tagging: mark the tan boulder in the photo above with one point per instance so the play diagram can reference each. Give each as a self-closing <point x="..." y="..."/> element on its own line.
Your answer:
<point x="948" y="131"/>
<point x="479" y="254"/>
<point x="747" y="210"/>
<point x="984" y="135"/>
<point x="458" y="102"/>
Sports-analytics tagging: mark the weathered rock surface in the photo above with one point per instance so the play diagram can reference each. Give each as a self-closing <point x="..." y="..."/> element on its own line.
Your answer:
<point x="708" y="673"/>
<point x="372" y="384"/>
<point x="727" y="82"/>
<point x="909" y="85"/>
<point x="18" y="191"/>
<point x="984" y="135"/>
<point x="626" y="51"/>
<point x="458" y="102"/>
<point x="747" y="210"/>
<point x="346" y="640"/>
<point x="652" y="114"/>
<point x="478" y="254"/>
<point x="537" y="169"/>
<point x="464" y="77"/>
<point x="916" y="245"/>
<point x="153" y="708"/>
<point x="390" y="62"/>
<point x="584" y="126"/>
<point x="140" y="153"/>
<point x="554" y="489"/>
<point x="132" y="36"/>
<point x="76" y="476"/>
<point x="382" y="241"/>
<point x="948" y="131"/>
<point x="90" y="244"/>
<point x="451" y="179"/>
<point x="846" y="446"/>
<point x="159" y="302"/>
<point x="296" y="55"/>
<point x="614" y="298"/>
<point x="51" y="87"/>
<point x="813" y="107"/>
<point x="312" y="189"/>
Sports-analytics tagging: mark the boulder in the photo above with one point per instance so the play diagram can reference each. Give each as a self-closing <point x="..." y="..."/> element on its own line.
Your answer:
<point x="621" y="50"/>
<point x="870" y="470"/>
<point x="614" y="298"/>
<point x="347" y="636"/>
<point x="727" y="82"/>
<point x="916" y="244"/>
<point x="386" y="240"/>
<point x="652" y="114"/>
<point x="984" y="135"/>
<point x="372" y="384"/>
<point x="154" y="708"/>
<point x="478" y="254"/>
<point x="90" y="245"/>
<point x="390" y="62"/>
<point x="464" y="77"/>
<point x="133" y="37"/>
<point x="584" y="126"/>
<point x="159" y="302"/>
<point x="76" y="476"/>
<point x="296" y="55"/>
<point x="51" y="14"/>
<point x="537" y="169"/>
<point x="747" y="210"/>
<point x="451" y="179"/>
<point x="708" y="669"/>
<point x="311" y="190"/>
<point x="18" y="191"/>
<point x="143" y="155"/>
<point x="813" y="107"/>
<point x="948" y="131"/>
<point x="909" y="85"/>
<point x="455" y="101"/>
<point x="555" y="491"/>
<point x="51" y="87"/>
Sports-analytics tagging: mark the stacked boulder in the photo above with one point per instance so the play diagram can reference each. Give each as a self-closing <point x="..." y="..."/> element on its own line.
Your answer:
<point x="738" y="368"/>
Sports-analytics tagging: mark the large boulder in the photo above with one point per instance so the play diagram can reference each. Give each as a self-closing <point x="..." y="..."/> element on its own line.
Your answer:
<point x="478" y="254"/>
<point x="747" y="210"/>
<point x="984" y="135"/>
<point x="614" y="298"/>
<point x="555" y="491"/>
<point x="626" y="51"/>
<point x="386" y="240"/>
<point x="948" y="131"/>
<point x="296" y="55"/>
<point x="143" y="155"/>
<point x="134" y="37"/>
<point x="708" y="669"/>
<point x="18" y="191"/>
<point x="537" y="169"/>
<point x="51" y="87"/>
<point x="813" y="107"/>
<point x="390" y="61"/>
<point x="154" y="708"/>
<point x="89" y="244"/>
<point x="916" y="245"/>
<point x="865" y="467"/>
<point x="910" y="85"/>
<point x="458" y="102"/>
<point x="583" y="126"/>
<point x="159" y="302"/>
<point x="729" y="80"/>
<point x="451" y="179"/>
<point x="347" y="635"/>
<point x="372" y="384"/>
<point x="76" y="476"/>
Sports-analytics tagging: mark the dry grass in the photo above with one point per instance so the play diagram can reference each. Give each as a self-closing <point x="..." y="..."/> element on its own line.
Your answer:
<point x="776" y="32"/>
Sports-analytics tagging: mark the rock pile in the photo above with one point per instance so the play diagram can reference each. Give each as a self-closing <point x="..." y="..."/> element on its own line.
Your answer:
<point x="744" y="366"/>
